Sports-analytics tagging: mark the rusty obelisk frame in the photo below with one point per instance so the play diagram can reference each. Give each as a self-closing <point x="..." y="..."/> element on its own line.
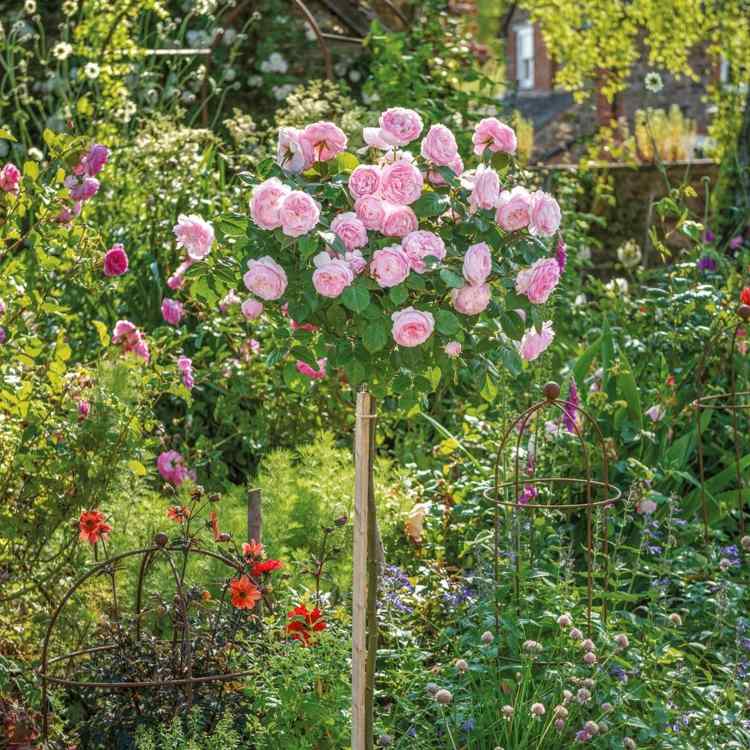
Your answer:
<point x="364" y="589"/>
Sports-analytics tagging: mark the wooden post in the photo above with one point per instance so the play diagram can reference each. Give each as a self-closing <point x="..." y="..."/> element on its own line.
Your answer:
<point x="254" y="516"/>
<point x="364" y="589"/>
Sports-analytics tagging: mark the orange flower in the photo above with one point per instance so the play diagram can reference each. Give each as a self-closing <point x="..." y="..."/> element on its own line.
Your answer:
<point x="244" y="593"/>
<point x="178" y="513"/>
<point x="93" y="527"/>
<point x="213" y="519"/>
<point x="267" y="566"/>
<point x="252" y="549"/>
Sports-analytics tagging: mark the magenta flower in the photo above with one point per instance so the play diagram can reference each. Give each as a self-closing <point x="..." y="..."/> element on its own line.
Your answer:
<point x="172" y="311"/>
<point x="171" y="466"/>
<point x="304" y="369"/>
<point x="131" y="339"/>
<point x="561" y="254"/>
<point x="570" y="410"/>
<point x="82" y="190"/>
<point x="185" y="366"/>
<point x="115" y="261"/>
<point x="736" y="242"/>
<point x="3" y="336"/>
<point x="84" y="407"/>
<point x="92" y="161"/>
<point x="10" y="177"/>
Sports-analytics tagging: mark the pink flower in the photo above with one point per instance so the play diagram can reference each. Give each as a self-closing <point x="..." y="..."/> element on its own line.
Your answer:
<point x="3" y="336"/>
<point x="436" y="179"/>
<point x="412" y="327"/>
<point x="93" y="160"/>
<point x="266" y="201"/>
<point x="324" y="139"/>
<point x="399" y="221"/>
<point x="2" y="307"/>
<point x="356" y="261"/>
<point x="471" y="299"/>
<point x="477" y="263"/>
<point x="350" y="230"/>
<point x="251" y="308"/>
<point x="185" y="366"/>
<point x="171" y="466"/>
<point x="401" y="182"/>
<point x="84" y="408"/>
<point x="399" y="126"/>
<point x="532" y="344"/>
<point x="439" y="146"/>
<point x="265" y="278"/>
<point x="298" y="213"/>
<point x="513" y="209"/>
<point x="538" y="281"/>
<point x="331" y="275"/>
<point x="495" y="135"/>
<point x="131" y="339"/>
<point x="453" y="349"/>
<point x="195" y="235"/>
<point x="486" y="188"/>
<point x="418" y="245"/>
<point x="545" y="214"/>
<point x="82" y="190"/>
<point x="656" y="412"/>
<point x="10" y="177"/>
<point x="294" y="153"/>
<point x="171" y="311"/>
<point x="68" y="213"/>
<point x="176" y="280"/>
<point x="115" y="261"/>
<point x="736" y="242"/>
<point x="307" y="371"/>
<point x="364" y="180"/>
<point x="647" y="507"/>
<point x="373" y="137"/>
<point x="389" y="266"/>
<point x="229" y="299"/>
<point x="253" y="346"/>
<point x="371" y="211"/>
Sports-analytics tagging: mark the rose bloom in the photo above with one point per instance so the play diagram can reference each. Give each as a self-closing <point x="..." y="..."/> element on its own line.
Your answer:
<point x="371" y="212"/>
<point x="477" y="263"/>
<point x="373" y="137"/>
<point x="364" y="180"/>
<point x="92" y="527"/>
<point x="171" y="311"/>
<point x="304" y="623"/>
<point x="195" y="235"/>
<point x="265" y="278"/>
<point x="82" y="190"/>
<point x="131" y="339"/>
<point x="436" y="179"/>
<point x="399" y="221"/>
<point x="495" y="135"/>
<point x="538" y="281"/>
<point x="115" y="261"/>
<point x="266" y="201"/>
<point x="298" y="213"/>
<point x="453" y="349"/>
<point x="331" y="275"/>
<point x="185" y="366"/>
<point x="513" y="209"/>
<point x="545" y="214"/>
<point x="251" y="308"/>
<point x="471" y="299"/>
<point x="245" y="593"/>
<point x="533" y="344"/>
<point x="356" y="261"/>
<point x="401" y="182"/>
<point x="93" y="160"/>
<point x="293" y="153"/>
<point x="350" y="230"/>
<point x="10" y="177"/>
<point x="171" y="466"/>
<point x="412" y="327"/>
<point x="324" y="139"/>
<point x="439" y="146"/>
<point x="389" y="266"/>
<point x="418" y="245"/>
<point x="304" y="369"/>
<point x="486" y="188"/>
<point x="399" y="126"/>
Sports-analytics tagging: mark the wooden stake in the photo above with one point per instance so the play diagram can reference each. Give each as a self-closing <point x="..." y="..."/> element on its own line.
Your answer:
<point x="254" y="516"/>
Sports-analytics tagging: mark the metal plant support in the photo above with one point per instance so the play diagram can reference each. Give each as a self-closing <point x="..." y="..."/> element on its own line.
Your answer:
<point x="599" y="494"/>
<point x="733" y="401"/>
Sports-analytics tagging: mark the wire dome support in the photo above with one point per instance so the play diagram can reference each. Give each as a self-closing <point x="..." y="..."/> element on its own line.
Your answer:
<point x="598" y="494"/>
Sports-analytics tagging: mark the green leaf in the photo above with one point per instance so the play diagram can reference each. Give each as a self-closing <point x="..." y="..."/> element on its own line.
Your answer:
<point x="627" y="386"/>
<point x="356" y="298"/>
<point x="346" y="162"/>
<point x="451" y="279"/>
<point x="398" y="294"/>
<point x="431" y="204"/>
<point x="447" y="323"/>
<point x="512" y="324"/>
<point x="101" y="329"/>
<point x="512" y="360"/>
<point x="355" y="372"/>
<point x="583" y="363"/>
<point x="31" y="170"/>
<point x="375" y="336"/>
<point x="6" y="135"/>
<point x="489" y="390"/>
<point x="137" y="468"/>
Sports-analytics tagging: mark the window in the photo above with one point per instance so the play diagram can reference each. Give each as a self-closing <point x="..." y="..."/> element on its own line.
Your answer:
<point x="525" y="56"/>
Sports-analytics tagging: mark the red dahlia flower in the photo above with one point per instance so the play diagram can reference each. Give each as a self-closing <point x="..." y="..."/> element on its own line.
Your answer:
<point x="92" y="527"/>
<point x="267" y="566"/>
<point x="178" y="513"/>
<point x="244" y="593"/>
<point x="303" y="623"/>
<point x="745" y="296"/>
<point x="252" y="549"/>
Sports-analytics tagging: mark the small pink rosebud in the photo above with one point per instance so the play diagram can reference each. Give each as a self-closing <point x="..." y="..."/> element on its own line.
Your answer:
<point x="172" y="311"/>
<point x="84" y="407"/>
<point x="115" y="261"/>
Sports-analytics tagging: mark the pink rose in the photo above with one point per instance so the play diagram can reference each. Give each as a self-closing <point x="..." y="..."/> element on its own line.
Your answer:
<point x="389" y="266"/>
<point x="10" y="177"/>
<point x="293" y="153"/>
<point x="195" y="235"/>
<point x="513" y="209"/>
<point x="471" y="299"/>
<point x="399" y="126"/>
<point x="477" y="263"/>
<point x="545" y="214"/>
<point x="176" y="280"/>
<point x="115" y="261"/>
<point x="309" y="372"/>
<point x="486" y="188"/>
<point x="401" y="182"/>
<point x="494" y="134"/>
<point x="299" y="214"/>
<point x="324" y="140"/>
<point x="172" y="311"/>
<point x="93" y="160"/>
<point x="68" y="213"/>
<point x="131" y="339"/>
<point x="185" y="366"/>
<point x="356" y="261"/>
<point x="251" y="308"/>
<point x="533" y="344"/>
<point x="373" y="137"/>
<point x="82" y="190"/>
<point x="371" y="212"/>
<point x="399" y="221"/>
<point x="364" y="180"/>
<point x="412" y="327"/>
<point x="350" y="230"/>
<point x="453" y="349"/>
<point x="331" y="275"/>
<point x="436" y="179"/>
<point x="266" y="201"/>
<point x="171" y="466"/>
<point x="418" y="245"/>
<point x="265" y="278"/>
<point x="538" y="281"/>
<point x="439" y="146"/>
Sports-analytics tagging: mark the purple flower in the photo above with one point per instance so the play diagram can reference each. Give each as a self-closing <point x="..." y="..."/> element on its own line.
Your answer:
<point x="528" y="494"/>
<point x="571" y="407"/>
<point x="736" y="242"/>
<point x="708" y="236"/>
<point x="3" y="335"/>
<point x="706" y="263"/>
<point x="561" y="254"/>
